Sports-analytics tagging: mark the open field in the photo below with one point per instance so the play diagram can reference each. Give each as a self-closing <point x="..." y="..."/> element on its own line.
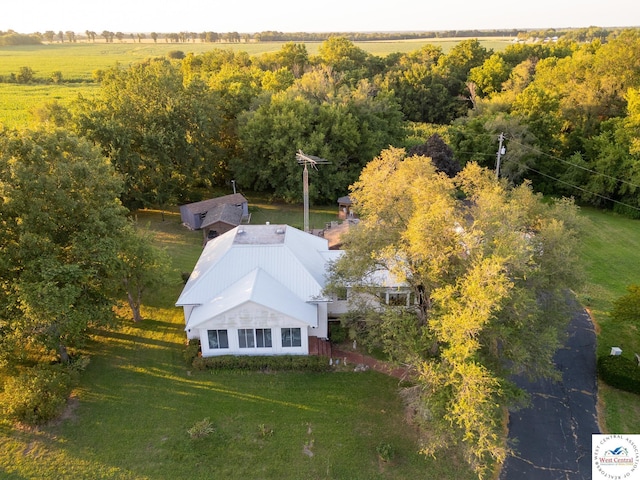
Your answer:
<point x="78" y="61"/>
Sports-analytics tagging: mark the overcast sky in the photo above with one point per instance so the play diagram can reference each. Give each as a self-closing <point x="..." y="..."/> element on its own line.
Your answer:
<point x="249" y="16"/>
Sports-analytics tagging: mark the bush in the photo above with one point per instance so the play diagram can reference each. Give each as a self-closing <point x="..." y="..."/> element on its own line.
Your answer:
<point x="619" y="372"/>
<point x="338" y="333"/>
<point x="201" y="429"/>
<point x="192" y="351"/>
<point x="37" y="395"/>
<point x="263" y="363"/>
<point x="385" y="451"/>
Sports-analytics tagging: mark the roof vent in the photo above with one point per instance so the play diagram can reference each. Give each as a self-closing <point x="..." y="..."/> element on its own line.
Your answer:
<point x="280" y="231"/>
<point x="241" y="230"/>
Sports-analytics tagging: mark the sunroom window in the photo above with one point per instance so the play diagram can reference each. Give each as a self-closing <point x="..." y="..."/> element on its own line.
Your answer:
<point x="291" y="337"/>
<point x="218" y="339"/>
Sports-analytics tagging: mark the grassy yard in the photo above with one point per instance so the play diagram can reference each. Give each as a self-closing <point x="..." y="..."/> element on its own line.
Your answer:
<point x="130" y="415"/>
<point x="612" y="261"/>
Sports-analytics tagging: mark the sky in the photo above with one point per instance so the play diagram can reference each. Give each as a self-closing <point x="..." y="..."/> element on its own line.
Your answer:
<point x="250" y="16"/>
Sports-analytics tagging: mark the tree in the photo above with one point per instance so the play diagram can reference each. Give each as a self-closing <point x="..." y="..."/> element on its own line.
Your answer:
<point x="141" y="267"/>
<point x="626" y="309"/>
<point x="61" y="222"/>
<point x="440" y="153"/>
<point x="488" y="267"/>
<point x="25" y="75"/>
<point x="341" y="125"/>
<point x="163" y="136"/>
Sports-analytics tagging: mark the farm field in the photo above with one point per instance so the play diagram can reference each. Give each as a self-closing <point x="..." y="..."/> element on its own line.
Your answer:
<point x="78" y="61"/>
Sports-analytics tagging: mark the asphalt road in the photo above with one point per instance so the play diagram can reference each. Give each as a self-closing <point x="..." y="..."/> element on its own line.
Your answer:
<point x="552" y="437"/>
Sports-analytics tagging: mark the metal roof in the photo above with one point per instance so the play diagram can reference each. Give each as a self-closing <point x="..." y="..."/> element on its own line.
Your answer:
<point x="206" y="205"/>
<point x="295" y="259"/>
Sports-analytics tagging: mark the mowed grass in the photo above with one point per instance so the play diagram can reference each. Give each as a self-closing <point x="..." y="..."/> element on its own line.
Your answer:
<point x="129" y="417"/>
<point x="611" y="253"/>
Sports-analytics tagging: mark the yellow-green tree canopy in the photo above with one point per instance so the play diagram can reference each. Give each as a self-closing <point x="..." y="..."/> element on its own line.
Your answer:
<point x="489" y="267"/>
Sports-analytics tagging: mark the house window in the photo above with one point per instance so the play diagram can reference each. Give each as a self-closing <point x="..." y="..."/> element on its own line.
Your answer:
<point x="218" y="339"/>
<point x="397" y="299"/>
<point x="250" y="338"/>
<point x="291" y="337"/>
<point x="263" y="337"/>
<point x="245" y="338"/>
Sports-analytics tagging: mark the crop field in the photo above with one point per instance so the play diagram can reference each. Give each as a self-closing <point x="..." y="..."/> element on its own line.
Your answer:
<point x="78" y="61"/>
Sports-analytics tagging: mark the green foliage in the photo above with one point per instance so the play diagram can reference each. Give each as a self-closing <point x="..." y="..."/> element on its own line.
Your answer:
<point x="276" y="363"/>
<point x="620" y="372"/>
<point x="61" y="235"/>
<point x="385" y="451"/>
<point x="25" y="75"/>
<point x="192" y="350"/>
<point x="161" y="135"/>
<point x="200" y="429"/>
<point x="478" y="267"/>
<point x="626" y="309"/>
<point x="338" y="333"/>
<point x="37" y="395"/>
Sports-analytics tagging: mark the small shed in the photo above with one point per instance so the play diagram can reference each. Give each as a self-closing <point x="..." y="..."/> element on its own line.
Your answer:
<point x="193" y="214"/>
<point x="345" y="208"/>
<point x="220" y="219"/>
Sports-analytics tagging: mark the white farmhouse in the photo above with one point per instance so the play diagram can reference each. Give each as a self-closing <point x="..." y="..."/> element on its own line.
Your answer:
<point x="258" y="290"/>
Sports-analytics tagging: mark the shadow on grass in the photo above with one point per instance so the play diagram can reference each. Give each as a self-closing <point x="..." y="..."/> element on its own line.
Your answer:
<point x="133" y="339"/>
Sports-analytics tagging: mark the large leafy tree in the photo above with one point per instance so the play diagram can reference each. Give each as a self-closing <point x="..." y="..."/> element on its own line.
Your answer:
<point x="343" y="125"/>
<point x="61" y="227"/>
<point x="488" y="267"/>
<point x="162" y="136"/>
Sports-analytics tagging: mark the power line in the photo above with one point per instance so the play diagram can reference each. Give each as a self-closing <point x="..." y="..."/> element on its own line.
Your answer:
<point x="575" y="165"/>
<point x="582" y="188"/>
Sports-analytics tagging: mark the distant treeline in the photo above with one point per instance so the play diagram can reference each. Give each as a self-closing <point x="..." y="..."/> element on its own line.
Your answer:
<point x="13" y="38"/>
<point x="578" y="34"/>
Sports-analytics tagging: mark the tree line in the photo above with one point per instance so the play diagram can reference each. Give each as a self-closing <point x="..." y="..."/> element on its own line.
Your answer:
<point x="568" y="112"/>
<point x="11" y="37"/>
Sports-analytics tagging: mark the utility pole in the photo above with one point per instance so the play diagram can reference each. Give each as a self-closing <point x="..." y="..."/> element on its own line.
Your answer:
<point x="306" y="160"/>
<point x="501" y="151"/>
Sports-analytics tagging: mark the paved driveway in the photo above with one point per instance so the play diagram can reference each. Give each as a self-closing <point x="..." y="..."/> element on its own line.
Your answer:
<point x="552" y="438"/>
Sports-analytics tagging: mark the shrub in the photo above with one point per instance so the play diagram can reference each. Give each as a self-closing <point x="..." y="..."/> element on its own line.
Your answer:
<point x="619" y="372"/>
<point x="176" y="54"/>
<point x="385" y="451"/>
<point x="263" y="363"/>
<point x="201" y="429"/>
<point x="37" y="395"/>
<point x="338" y="333"/>
<point x="192" y="351"/>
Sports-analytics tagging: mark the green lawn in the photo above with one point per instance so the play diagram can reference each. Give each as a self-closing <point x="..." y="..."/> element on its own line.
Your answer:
<point x="130" y="415"/>
<point x="612" y="261"/>
<point x="137" y="399"/>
